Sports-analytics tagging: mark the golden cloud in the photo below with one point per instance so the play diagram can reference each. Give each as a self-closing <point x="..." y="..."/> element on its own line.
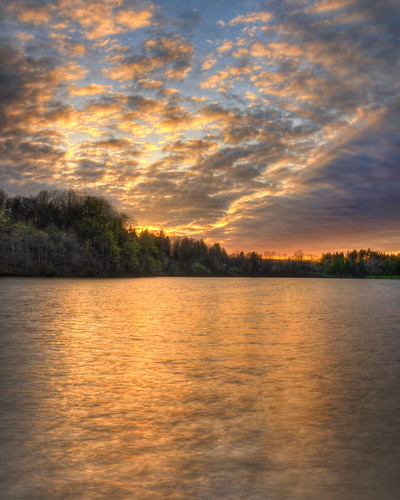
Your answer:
<point x="214" y="81"/>
<point x="67" y="73"/>
<point x="253" y="17"/>
<point x="177" y="73"/>
<point x="131" y="71"/>
<point x="172" y="55"/>
<point x="150" y="84"/>
<point x="227" y="45"/>
<point x="330" y="5"/>
<point x="94" y="111"/>
<point x="92" y="89"/>
<point x="209" y="63"/>
<point x="259" y="49"/>
<point x="66" y="117"/>
<point x="133" y="19"/>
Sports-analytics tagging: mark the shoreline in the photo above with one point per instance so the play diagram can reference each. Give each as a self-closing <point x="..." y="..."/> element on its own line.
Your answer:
<point x="132" y="276"/>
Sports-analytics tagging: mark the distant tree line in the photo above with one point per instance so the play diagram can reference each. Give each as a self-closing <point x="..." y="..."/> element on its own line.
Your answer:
<point x="65" y="233"/>
<point x="360" y="263"/>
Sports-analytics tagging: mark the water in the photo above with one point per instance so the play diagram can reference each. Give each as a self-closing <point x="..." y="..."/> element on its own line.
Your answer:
<point x="192" y="388"/>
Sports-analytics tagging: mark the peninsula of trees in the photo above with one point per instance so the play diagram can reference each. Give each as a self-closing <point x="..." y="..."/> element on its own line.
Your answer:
<point x="65" y="233"/>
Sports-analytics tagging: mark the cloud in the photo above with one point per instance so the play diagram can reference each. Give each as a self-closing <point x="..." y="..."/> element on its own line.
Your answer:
<point x="150" y="84"/>
<point x="174" y="52"/>
<point x="330" y="5"/>
<point x="209" y="63"/>
<point x="133" y="19"/>
<point x="89" y="171"/>
<point x="67" y="73"/>
<point x="252" y="17"/>
<point x="192" y="146"/>
<point x="169" y="57"/>
<point x="91" y="89"/>
<point x="227" y="45"/>
<point x="96" y="110"/>
<point x="271" y="130"/>
<point x="348" y="199"/>
<point x="35" y="16"/>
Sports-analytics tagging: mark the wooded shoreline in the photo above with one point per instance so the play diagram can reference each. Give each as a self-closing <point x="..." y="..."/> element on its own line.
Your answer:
<point x="68" y="234"/>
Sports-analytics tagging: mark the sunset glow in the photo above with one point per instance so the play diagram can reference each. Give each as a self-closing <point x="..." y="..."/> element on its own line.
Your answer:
<point x="269" y="125"/>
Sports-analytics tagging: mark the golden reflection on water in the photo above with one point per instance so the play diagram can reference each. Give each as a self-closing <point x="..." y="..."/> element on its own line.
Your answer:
<point x="198" y="389"/>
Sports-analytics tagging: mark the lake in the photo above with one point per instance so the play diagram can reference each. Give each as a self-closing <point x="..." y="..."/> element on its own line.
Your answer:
<point x="199" y="388"/>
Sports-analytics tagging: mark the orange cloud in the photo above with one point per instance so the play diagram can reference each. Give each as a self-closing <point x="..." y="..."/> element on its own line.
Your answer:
<point x="259" y="49"/>
<point x="133" y="19"/>
<point x="330" y="5"/>
<point x="209" y="63"/>
<point x="67" y="73"/>
<point x="79" y="50"/>
<point x="92" y="89"/>
<point x="34" y="16"/>
<point x="150" y="84"/>
<point x="215" y="81"/>
<point x="66" y="117"/>
<point x="171" y="55"/>
<point x="253" y="17"/>
<point x="95" y="111"/>
<point x="131" y="71"/>
<point x="227" y="45"/>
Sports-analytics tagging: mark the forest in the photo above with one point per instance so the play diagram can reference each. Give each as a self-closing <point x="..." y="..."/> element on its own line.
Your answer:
<point x="66" y="233"/>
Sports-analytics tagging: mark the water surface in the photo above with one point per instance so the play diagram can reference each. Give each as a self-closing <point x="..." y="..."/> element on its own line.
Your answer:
<point x="192" y="388"/>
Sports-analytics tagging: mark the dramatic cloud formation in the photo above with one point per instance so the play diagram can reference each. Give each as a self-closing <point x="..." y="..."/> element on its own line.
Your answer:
<point x="263" y="125"/>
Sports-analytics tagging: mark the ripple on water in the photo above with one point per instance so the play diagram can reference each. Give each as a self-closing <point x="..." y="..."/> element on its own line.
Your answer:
<point x="199" y="388"/>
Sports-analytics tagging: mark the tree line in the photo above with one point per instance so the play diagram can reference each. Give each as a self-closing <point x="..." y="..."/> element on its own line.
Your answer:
<point x="65" y="233"/>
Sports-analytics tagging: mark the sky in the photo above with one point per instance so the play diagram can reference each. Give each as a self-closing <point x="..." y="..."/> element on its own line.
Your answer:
<point x="263" y="125"/>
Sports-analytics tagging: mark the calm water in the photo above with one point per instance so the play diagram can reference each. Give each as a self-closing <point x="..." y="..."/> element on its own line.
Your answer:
<point x="176" y="388"/>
